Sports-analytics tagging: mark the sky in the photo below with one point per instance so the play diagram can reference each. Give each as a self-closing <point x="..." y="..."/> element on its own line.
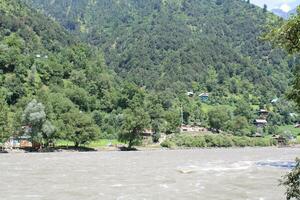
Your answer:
<point x="285" y="5"/>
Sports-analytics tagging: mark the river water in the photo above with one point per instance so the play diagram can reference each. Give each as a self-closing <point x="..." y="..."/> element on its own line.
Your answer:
<point x="208" y="174"/>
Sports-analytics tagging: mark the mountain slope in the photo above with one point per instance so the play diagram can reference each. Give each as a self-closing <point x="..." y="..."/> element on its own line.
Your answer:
<point x="179" y="44"/>
<point x="40" y="60"/>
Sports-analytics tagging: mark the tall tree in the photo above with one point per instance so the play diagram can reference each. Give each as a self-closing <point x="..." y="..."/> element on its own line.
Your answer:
<point x="292" y="182"/>
<point x="5" y="130"/>
<point x="135" y="118"/>
<point x="218" y="117"/>
<point x="265" y="8"/>
<point x="156" y="113"/>
<point x="35" y="119"/>
<point x="287" y="36"/>
<point x="80" y="127"/>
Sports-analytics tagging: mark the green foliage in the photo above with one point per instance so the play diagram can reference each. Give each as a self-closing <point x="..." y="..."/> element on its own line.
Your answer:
<point x="135" y="122"/>
<point x="33" y="118"/>
<point x="218" y="118"/>
<point x="292" y="182"/>
<point x="244" y="109"/>
<point x="80" y="127"/>
<point x="5" y="127"/>
<point x="48" y="131"/>
<point x="167" y="144"/>
<point x="135" y="119"/>
<point x="286" y="36"/>
<point x="239" y="126"/>
<point x="180" y="45"/>
<point x="289" y="129"/>
<point x="216" y="140"/>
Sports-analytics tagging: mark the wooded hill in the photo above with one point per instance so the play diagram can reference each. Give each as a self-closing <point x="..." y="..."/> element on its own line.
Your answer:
<point x="181" y="45"/>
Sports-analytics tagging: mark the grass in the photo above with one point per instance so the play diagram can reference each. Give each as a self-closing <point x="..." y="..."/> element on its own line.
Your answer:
<point x="95" y="144"/>
<point x="289" y="128"/>
<point x="103" y="143"/>
<point x="206" y="107"/>
<point x="255" y="107"/>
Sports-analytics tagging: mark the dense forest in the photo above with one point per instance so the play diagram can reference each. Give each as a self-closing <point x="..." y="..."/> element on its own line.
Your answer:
<point x="83" y="70"/>
<point x="200" y="45"/>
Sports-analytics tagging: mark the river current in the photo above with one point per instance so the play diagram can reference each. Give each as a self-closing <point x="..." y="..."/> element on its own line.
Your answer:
<point x="204" y="174"/>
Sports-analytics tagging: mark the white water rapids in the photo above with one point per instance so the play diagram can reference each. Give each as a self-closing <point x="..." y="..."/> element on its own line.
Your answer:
<point x="202" y="174"/>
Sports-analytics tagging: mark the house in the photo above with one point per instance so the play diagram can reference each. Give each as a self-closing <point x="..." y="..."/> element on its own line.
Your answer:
<point x="147" y="133"/>
<point x="192" y="129"/>
<point x="190" y="94"/>
<point x="18" y="142"/>
<point x="293" y="115"/>
<point x="263" y="113"/>
<point x="257" y="135"/>
<point x="273" y="101"/>
<point x="260" y="122"/>
<point x="280" y="139"/>
<point x="12" y="143"/>
<point x="25" y="141"/>
<point x="204" y="97"/>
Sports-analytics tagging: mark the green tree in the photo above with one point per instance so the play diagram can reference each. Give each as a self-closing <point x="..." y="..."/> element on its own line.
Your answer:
<point x="173" y="120"/>
<point x="5" y="131"/>
<point x="136" y="120"/>
<point x="156" y="114"/>
<point x="34" y="117"/>
<point x="265" y="8"/>
<point x="80" y="127"/>
<point x="292" y="182"/>
<point x="243" y="109"/>
<point x="218" y="117"/>
<point x="48" y="131"/>
<point x="287" y="36"/>
<point x="239" y="125"/>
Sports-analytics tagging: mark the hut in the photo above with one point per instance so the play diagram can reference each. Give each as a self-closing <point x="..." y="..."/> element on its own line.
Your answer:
<point x="259" y="123"/>
<point x="204" y="97"/>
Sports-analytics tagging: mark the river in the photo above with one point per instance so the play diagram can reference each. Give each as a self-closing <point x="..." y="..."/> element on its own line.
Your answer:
<point x="218" y="174"/>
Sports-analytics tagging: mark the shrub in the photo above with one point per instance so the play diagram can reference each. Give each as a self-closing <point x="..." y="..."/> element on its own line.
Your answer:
<point x="216" y="140"/>
<point x="168" y="144"/>
<point x="292" y="182"/>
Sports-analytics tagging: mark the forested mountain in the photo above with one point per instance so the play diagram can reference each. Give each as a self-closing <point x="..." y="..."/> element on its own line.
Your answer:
<point x="40" y="60"/>
<point x="180" y="45"/>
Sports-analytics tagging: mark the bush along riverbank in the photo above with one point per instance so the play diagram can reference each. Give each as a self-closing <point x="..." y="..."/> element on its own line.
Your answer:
<point x="218" y="140"/>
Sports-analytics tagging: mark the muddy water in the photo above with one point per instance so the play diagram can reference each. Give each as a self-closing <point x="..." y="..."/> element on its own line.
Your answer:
<point x="219" y="174"/>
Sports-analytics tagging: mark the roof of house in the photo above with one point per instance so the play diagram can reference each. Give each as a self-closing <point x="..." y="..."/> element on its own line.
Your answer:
<point x="261" y="121"/>
<point x="263" y="111"/>
<point x="257" y="135"/>
<point x="274" y="100"/>
<point x="203" y="95"/>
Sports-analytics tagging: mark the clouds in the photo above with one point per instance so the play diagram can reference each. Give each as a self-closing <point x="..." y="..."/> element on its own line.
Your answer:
<point x="285" y="5"/>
